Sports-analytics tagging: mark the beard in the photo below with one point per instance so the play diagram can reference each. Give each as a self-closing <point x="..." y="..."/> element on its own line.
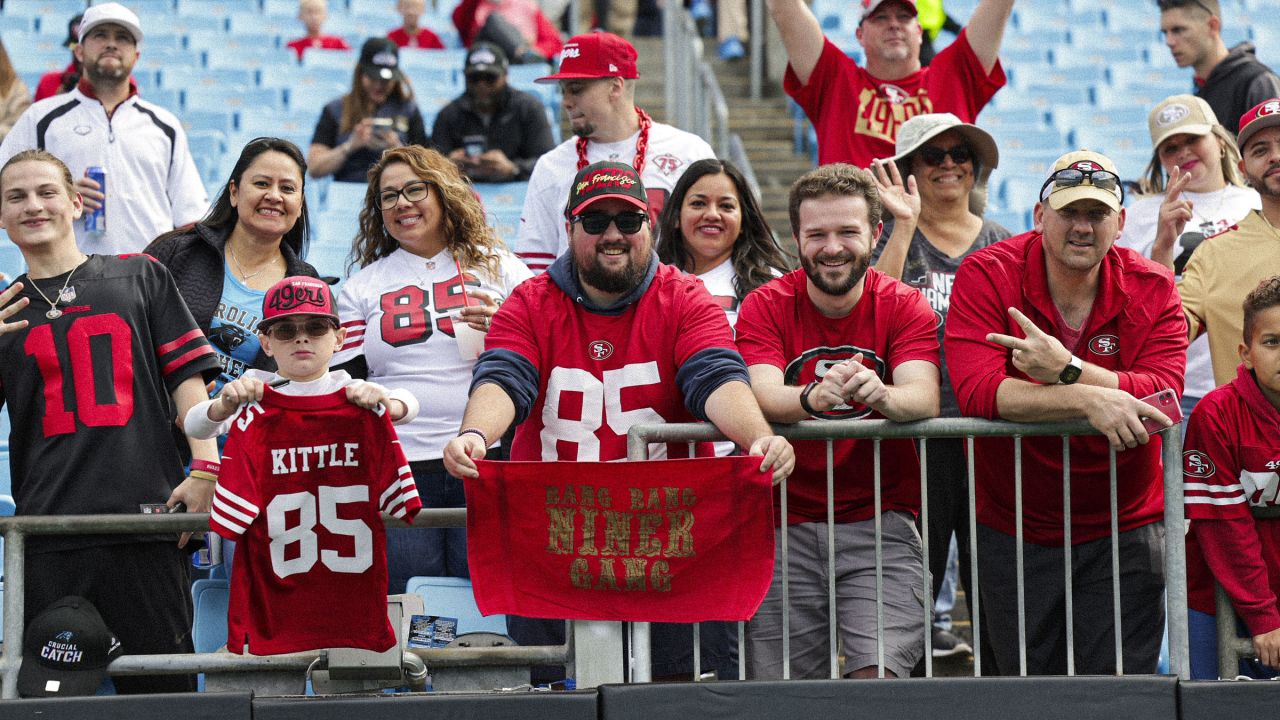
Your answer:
<point x="1266" y="187"/>
<point x="584" y="130"/>
<point x="97" y="73"/>
<point x="613" y="282"/>
<point x="839" y="285"/>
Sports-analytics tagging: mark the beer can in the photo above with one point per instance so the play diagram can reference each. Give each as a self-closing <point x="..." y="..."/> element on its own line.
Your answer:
<point x="96" y="221"/>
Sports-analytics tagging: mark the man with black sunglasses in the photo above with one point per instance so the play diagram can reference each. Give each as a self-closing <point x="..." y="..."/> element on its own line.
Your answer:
<point x="492" y="131"/>
<point x="609" y="337"/>
<point x="1059" y="324"/>
<point x="1231" y="81"/>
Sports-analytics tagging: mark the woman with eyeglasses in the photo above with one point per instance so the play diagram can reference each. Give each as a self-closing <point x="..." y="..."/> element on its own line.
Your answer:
<point x="431" y="274"/>
<point x="255" y="234"/>
<point x="934" y="222"/>
<point x="1196" y="192"/>
<point x="712" y="227"/>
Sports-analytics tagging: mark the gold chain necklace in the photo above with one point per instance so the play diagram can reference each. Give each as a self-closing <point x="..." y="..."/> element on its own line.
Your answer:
<point x="54" y="313"/>
<point x="240" y="268"/>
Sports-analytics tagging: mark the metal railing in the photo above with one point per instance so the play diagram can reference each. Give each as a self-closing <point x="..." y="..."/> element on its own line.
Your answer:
<point x="640" y="437"/>
<point x="1231" y="647"/>
<point x="17" y="529"/>
<point x="695" y="101"/>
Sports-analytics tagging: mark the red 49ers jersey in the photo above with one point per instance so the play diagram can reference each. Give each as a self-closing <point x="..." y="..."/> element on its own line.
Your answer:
<point x="892" y="323"/>
<point x="600" y="374"/>
<point x="304" y="480"/>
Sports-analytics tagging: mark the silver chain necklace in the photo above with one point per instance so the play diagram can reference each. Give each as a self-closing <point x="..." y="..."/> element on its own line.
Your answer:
<point x="240" y="268"/>
<point x="54" y="313"/>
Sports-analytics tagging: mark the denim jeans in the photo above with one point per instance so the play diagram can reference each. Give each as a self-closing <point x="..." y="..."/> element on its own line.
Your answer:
<point x="435" y="552"/>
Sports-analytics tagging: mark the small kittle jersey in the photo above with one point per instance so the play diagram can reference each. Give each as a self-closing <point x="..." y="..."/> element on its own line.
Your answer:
<point x="396" y="312"/>
<point x="891" y="324"/>
<point x="542" y="237"/>
<point x="600" y="374"/>
<point x="89" y="391"/>
<point x="304" y="482"/>
<point x="1230" y="466"/>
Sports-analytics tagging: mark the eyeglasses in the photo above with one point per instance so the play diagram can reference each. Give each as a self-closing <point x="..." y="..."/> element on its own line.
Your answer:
<point x="489" y="78"/>
<point x="1070" y="177"/>
<point x="286" y="331"/>
<point x="413" y="192"/>
<point x="960" y="154"/>
<point x="597" y="223"/>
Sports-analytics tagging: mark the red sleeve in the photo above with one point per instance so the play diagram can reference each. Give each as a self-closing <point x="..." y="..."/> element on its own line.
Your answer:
<point x="831" y="65"/>
<point x="512" y="328"/>
<point x="428" y="40"/>
<point x="976" y="366"/>
<point x="298" y="46"/>
<point x="759" y="337"/>
<point x="1211" y="465"/>
<point x="1163" y="361"/>
<point x="235" y="499"/>
<point x="48" y="86"/>
<point x="398" y="494"/>
<point x="913" y="331"/>
<point x="702" y="323"/>
<point x="957" y="82"/>
<point x="464" y="18"/>
<point x="1230" y="548"/>
<point x="548" y="43"/>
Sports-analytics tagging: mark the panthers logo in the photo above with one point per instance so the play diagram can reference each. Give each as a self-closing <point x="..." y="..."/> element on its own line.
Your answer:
<point x="227" y="338"/>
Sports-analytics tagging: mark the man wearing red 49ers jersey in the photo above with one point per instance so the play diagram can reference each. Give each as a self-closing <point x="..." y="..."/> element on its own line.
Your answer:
<point x="607" y="338"/>
<point x="97" y="355"/>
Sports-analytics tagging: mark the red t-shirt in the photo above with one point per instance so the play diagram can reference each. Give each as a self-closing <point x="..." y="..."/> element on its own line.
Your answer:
<point x="857" y="116"/>
<point x="1135" y="329"/>
<point x="779" y="325"/>
<point x="324" y="42"/>
<point x="304" y="482"/>
<point x="425" y="39"/>
<point x="1230" y="464"/>
<point x="599" y="374"/>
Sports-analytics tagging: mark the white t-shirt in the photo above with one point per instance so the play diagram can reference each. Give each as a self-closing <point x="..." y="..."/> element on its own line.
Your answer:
<point x="542" y="237"/>
<point x="1213" y="213"/>
<point x="397" y="314"/>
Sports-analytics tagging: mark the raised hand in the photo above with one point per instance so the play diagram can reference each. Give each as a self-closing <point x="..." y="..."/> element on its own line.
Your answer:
<point x="901" y="199"/>
<point x="9" y="309"/>
<point x="1039" y="355"/>
<point x="1175" y="213"/>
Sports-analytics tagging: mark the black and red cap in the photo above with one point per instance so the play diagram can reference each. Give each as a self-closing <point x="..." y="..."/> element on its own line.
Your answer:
<point x="605" y="180"/>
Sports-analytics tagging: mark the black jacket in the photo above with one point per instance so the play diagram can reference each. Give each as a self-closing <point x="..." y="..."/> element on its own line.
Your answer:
<point x="196" y="259"/>
<point x="519" y="128"/>
<point x="1238" y="83"/>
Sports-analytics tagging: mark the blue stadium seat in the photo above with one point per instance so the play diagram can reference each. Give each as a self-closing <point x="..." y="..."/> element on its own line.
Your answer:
<point x="284" y="9"/>
<point x="295" y="126"/>
<point x="502" y="195"/>
<point x="212" y="12"/>
<point x="224" y="42"/>
<point x="285" y="26"/>
<point x="453" y="597"/>
<point x="307" y="81"/>
<point x="344" y="60"/>
<point x="210" y="599"/>
<point x="270" y="58"/>
<point x="355" y="28"/>
<point x="345" y="197"/>
<point x="1146" y="76"/>
<point x="1020" y="195"/>
<point x="505" y="223"/>
<point x="331" y="257"/>
<point x="18" y="23"/>
<point x="1015" y="221"/>
<point x="1137" y="18"/>
<point x="11" y="262"/>
<point x="191" y="79"/>
<point x="236" y="97"/>
<point x="153" y="61"/>
<point x="147" y="9"/>
<point x="223" y="121"/>
<point x="1050" y="74"/>
<point x="168" y="98"/>
<point x="60" y="10"/>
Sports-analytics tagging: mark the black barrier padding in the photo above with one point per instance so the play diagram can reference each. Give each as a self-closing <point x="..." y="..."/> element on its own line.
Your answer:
<point x="1051" y="698"/>
<point x="1214" y="699"/>
<point x="183" y="706"/>
<point x="580" y="705"/>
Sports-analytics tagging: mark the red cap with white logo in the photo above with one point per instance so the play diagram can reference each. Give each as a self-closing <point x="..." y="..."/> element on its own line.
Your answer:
<point x="595" y="55"/>
<point x="297" y="295"/>
<point x="1263" y="115"/>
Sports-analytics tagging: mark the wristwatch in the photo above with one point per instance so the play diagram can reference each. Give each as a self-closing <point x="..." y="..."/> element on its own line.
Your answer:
<point x="1071" y="372"/>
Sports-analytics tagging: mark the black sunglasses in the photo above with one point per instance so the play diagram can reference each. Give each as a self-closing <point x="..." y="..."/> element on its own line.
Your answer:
<point x="1070" y="177"/>
<point x="596" y="223"/>
<point x="286" y="331"/>
<point x="960" y="154"/>
<point x="490" y="78"/>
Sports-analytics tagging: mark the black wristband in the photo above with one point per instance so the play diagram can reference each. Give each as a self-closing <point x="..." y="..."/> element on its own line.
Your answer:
<point x="804" y="397"/>
<point x="475" y="431"/>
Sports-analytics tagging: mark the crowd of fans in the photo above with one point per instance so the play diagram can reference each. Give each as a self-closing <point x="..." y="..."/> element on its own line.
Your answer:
<point x="907" y="304"/>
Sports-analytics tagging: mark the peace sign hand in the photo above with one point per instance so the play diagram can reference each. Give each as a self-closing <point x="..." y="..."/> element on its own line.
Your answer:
<point x="1175" y="213"/>
<point x="1039" y="355"/>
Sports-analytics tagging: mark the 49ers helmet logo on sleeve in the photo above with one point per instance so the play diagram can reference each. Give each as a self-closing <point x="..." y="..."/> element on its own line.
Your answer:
<point x="814" y="363"/>
<point x="1197" y="464"/>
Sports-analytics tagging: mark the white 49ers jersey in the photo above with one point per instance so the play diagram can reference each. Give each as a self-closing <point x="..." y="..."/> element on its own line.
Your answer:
<point x="397" y="314"/>
<point x="542" y="235"/>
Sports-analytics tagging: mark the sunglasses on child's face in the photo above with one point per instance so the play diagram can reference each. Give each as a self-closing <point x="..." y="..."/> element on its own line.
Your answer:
<point x="286" y="331"/>
<point x="960" y="154"/>
<point x="596" y="223"/>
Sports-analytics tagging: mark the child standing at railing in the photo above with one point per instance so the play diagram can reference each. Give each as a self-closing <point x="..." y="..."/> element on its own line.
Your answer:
<point x="1230" y="467"/>
<point x="306" y="473"/>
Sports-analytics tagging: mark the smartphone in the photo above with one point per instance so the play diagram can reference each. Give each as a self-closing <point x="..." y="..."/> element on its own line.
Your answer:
<point x="1166" y="401"/>
<point x="383" y="122"/>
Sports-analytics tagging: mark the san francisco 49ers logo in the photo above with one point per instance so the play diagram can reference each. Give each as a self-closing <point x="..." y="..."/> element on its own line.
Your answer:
<point x="1270" y="108"/>
<point x="1197" y="464"/>
<point x="599" y="349"/>
<point x="814" y="363"/>
<point x="1086" y="166"/>
<point x="669" y="164"/>
<point x="1104" y="345"/>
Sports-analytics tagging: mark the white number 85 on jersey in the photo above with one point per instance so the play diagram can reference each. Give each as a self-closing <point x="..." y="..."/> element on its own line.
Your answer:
<point x="304" y="535"/>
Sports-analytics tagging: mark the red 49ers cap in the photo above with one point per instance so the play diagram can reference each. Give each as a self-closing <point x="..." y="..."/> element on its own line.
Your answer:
<point x="1263" y="115"/>
<point x="595" y="55"/>
<point x="297" y="295"/>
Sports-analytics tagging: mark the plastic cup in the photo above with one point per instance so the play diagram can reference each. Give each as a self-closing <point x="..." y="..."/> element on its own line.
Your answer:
<point x="470" y="340"/>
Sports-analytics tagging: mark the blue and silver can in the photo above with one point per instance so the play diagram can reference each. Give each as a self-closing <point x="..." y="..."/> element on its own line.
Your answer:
<point x="96" y="221"/>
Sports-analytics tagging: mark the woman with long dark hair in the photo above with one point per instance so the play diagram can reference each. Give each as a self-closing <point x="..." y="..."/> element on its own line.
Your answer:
<point x="377" y="114"/>
<point x="432" y="273"/>
<point x="712" y="226"/>
<point x="255" y="234"/>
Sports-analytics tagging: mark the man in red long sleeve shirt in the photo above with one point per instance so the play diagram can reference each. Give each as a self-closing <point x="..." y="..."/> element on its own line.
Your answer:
<point x="1230" y="465"/>
<point x="1057" y="324"/>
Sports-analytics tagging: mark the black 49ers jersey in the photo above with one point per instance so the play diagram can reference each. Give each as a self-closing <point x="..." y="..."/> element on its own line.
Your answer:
<point x="88" y="392"/>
